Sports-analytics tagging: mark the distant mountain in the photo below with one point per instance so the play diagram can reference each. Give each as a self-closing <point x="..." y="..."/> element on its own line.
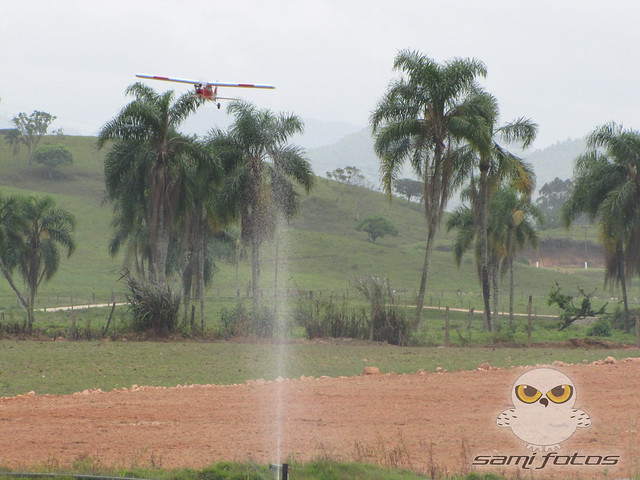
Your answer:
<point x="356" y="150"/>
<point x="556" y="160"/>
<point x="316" y="132"/>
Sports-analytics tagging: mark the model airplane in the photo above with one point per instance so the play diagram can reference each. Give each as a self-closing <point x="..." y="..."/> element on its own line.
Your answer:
<point x="207" y="90"/>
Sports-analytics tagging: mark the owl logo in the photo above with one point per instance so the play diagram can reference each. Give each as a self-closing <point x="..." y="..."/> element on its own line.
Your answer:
<point x="543" y="413"/>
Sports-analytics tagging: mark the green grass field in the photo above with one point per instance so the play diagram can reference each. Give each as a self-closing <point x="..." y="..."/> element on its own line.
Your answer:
<point x="318" y="470"/>
<point x="49" y="367"/>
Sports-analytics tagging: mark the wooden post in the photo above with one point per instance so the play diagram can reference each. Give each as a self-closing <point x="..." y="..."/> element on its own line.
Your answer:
<point x="469" y="321"/>
<point x="529" y="321"/>
<point x="637" y="331"/>
<point x="106" y="329"/>
<point x="446" y="327"/>
<point x="74" y="334"/>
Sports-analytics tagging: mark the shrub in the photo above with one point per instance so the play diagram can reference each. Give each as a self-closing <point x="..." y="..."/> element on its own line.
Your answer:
<point x="387" y="323"/>
<point x="241" y="322"/>
<point x="155" y="308"/>
<point x="601" y="328"/>
<point x="322" y="318"/>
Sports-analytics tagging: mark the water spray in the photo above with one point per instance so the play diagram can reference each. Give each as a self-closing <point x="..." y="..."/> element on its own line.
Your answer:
<point x="284" y="468"/>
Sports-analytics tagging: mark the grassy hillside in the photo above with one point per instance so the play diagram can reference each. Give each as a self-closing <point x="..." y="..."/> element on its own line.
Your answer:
<point x="323" y="251"/>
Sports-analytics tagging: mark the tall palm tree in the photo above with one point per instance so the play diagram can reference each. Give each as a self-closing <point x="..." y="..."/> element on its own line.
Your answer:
<point x="262" y="168"/>
<point x="496" y="165"/>
<point x="418" y="120"/>
<point x="607" y="187"/>
<point x="12" y="225"/>
<point x="33" y="250"/>
<point x="145" y="168"/>
<point x="201" y="224"/>
<point x="512" y="227"/>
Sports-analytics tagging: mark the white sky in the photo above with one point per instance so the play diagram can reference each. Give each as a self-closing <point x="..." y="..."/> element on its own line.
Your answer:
<point x="569" y="65"/>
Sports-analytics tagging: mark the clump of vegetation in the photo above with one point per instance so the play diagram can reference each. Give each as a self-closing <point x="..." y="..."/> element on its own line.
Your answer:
<point x="155" y="308"/>
<point x="241" y="321"/>
<point x="387" y="323"/>
<point x="383" y="322"/>
<point x="323" y="318"/>
<point x="601" y="328"/>
<point x="377" y="226"/>
<point x="53" y="157"/>
<point x="571" y="312"/>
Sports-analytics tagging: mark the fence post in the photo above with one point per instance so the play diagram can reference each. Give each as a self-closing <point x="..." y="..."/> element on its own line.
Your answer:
<point x="74" y="334"/>
<point x="106" y="329"/>
<point x="637" y="331"/>
<point x="446" y="327"/>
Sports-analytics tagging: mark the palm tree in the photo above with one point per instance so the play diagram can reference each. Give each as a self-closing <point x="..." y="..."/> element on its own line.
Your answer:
<point x="418" y="120"/>
<point x="201" y="224"/>
<point x="33" y="250"/>
<point x="262" y="168"/>
<point x="510" y="228"/>
<point x="607" y="186"/>
<point x="145" y="169"/>
<point x="12" y="225"/>
<point x="513" y="220"/>
<point x="496" y="165"/>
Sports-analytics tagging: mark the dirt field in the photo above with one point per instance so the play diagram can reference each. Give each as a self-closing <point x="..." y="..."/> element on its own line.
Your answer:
<point x="437" y="423"/>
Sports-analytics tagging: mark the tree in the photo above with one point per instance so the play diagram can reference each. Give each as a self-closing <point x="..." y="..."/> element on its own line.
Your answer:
<point x="417" y="120"/>
<point x="38" y="229"/>
<point x="409" y="188"/>
<point x="571" y="312"/>
<point x="29" y="130"/>
<point x="607" y="187"/>
<point x="202" y="225"/>
<point x="262" y="168"/>
<point x="146" y="170"/>
<point x="552" y="197"/>
<point x="377" y="227"/>
<point x="513" y="227"/>
<point x="53" y="156"/>
<point x="496" y="165"/>
<point x="348" y="175"/>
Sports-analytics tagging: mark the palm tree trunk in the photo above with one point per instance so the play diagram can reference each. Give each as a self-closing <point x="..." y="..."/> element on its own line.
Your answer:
<point x="494" y="281"/>
<point x="12" y="284"/>
<point x="484" y="244"/>
<point x="425" y="277"/>
<point x="162" y="254"/>
<point x="255" y="271"/>
<point x="432" y="211"/>
<point x="623" y="284"/>
<point x="511" y="290"/>
<point x="201" y="258"/>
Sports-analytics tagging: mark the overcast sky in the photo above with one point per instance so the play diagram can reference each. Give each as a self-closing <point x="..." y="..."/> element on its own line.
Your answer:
<point x="568" y="65"/>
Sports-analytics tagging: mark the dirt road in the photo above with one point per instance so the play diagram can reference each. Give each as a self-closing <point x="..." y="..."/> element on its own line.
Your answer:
<point x="437" y="423"/>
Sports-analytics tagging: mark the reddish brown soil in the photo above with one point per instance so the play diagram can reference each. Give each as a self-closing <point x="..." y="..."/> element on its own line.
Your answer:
<point x="430" y="422"/>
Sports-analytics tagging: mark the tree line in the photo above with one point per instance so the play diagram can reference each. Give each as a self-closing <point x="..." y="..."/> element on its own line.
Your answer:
<point x="174" y="195"/>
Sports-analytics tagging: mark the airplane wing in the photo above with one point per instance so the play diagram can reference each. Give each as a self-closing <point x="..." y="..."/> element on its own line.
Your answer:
<point x="213" y="84"/>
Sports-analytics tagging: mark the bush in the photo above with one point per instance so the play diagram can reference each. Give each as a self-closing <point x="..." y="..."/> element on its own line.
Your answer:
<point x="601" y="328"/>
<point x="387" y="323"/>
<point x="241" y="322"/>
<point x="322" y="318"/>
<point x="155" y="308"/>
